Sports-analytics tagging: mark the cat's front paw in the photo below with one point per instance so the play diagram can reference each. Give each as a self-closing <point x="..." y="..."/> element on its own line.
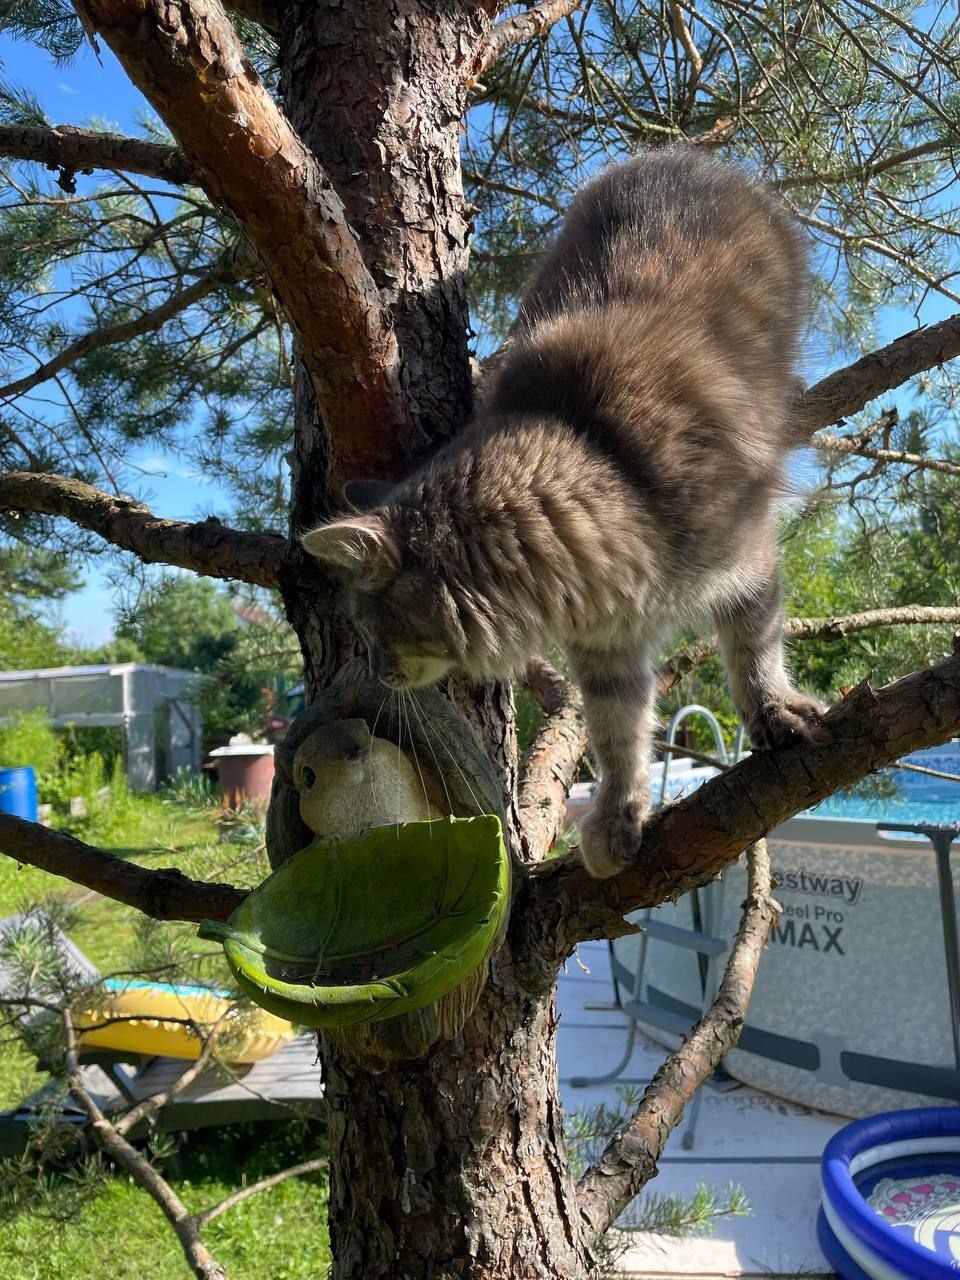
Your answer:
<point x="610" y="838"/>
<point x="795" y="718"/>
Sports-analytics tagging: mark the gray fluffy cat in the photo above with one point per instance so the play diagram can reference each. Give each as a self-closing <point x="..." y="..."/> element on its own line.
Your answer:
<point x="619" y="478"/>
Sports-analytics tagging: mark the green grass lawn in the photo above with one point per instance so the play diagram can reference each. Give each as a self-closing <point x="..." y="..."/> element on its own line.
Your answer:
<point x="104" y="1227"/>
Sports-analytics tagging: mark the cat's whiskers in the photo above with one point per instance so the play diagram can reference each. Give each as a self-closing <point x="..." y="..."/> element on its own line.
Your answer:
<point x="399" y="754"/>
<point x="413" y="748"/>
<point x="370" y="769"/>
<point x="420" y="714"/>
<point x="456" y="765"/>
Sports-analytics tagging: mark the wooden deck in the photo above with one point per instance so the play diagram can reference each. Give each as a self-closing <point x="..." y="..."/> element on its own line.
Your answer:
<point x="284" y="1085"/>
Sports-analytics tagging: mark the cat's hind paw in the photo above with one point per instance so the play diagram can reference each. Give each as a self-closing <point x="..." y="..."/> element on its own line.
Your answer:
<point x="610" y="840"/>
<point x="795" y="718"/>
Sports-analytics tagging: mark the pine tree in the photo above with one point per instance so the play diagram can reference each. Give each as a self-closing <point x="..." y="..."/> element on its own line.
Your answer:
<point x="278" y="288"/>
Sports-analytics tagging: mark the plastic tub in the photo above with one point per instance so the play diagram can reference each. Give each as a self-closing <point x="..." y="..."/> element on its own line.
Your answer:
<point x="18" y="792"/>
<point x="891" y="1196"/>
<point x="244" y="771"/>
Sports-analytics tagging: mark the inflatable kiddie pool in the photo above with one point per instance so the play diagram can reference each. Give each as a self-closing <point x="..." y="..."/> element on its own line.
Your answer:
<point x="891" y="1197"/>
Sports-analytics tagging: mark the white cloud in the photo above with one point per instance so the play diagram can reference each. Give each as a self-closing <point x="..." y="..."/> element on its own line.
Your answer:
<point x="68" y="88"/>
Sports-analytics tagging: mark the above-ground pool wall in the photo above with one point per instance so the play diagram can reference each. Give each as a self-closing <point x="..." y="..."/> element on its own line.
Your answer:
<point x="854" y="979"/>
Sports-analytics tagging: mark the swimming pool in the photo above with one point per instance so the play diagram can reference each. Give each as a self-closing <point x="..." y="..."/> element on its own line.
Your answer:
<point x="851" y="1009"/>
<point x="917" y="798"/>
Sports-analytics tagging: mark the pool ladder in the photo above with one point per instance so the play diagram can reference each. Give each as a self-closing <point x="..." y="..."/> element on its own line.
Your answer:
<point x="706" y="906"/>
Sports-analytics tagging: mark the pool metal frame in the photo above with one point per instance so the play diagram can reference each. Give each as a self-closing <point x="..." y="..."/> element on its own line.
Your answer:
<point x="678" y="1018"/>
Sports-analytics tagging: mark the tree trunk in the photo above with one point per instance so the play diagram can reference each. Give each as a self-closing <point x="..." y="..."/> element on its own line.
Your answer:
<point x="452" y="1165"/>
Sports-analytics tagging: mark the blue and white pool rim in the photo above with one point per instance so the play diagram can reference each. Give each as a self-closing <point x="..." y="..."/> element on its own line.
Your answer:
<point x="891" y="1197"/>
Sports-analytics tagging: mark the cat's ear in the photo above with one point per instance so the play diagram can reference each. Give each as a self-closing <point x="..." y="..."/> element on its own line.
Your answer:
<point x="364" y="495"/>
<point x="362" y="545"/>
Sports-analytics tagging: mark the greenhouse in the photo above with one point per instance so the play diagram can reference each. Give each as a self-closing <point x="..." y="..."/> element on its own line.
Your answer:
<point x="153" y="707"/>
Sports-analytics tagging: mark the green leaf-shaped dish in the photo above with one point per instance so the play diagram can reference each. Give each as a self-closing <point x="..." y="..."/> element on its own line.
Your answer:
<point x="354" y="931"/>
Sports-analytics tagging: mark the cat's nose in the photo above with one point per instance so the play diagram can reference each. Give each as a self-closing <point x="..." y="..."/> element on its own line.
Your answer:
<point x="393" y="679"/>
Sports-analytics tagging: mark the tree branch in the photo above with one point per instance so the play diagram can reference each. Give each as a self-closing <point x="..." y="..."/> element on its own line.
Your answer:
<point x="630" y="1159"/>
<point x="254" y="1189"/>
<point x="863" y="173"/>
<point x="687" y="843"/>
<point x="520" y="28"/>
<point x="682" y="32"/>
<point x="840" y="444"/>
<point x="65" y="147"/>
<point x="203" y="1265"/>
<point x="233" y="267"/>
<point x="847" y="390"/>
<point x="206" y="546"/>
<point x="163" y="894"/>
<point x="152" y="1105"/>
<point x="550" y="764"/>
<point x="911" y="615"/>
<point x="185" y="57"/>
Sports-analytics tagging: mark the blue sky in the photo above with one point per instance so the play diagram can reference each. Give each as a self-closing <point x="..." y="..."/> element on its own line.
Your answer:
<point x="82" y="91"/>
<point x="89" y="89"/>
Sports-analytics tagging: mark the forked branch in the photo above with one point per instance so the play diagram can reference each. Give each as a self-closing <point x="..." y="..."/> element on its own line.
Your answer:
<point x="163" y="894"/>
<point x="202" y="1263"/>
<point x="205" y="546"/>
<point x="110" y="1132"/>
<point x="630" y="1159"/>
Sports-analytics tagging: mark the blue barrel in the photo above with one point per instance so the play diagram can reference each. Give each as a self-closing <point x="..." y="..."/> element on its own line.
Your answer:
<point x="18" y="792"/>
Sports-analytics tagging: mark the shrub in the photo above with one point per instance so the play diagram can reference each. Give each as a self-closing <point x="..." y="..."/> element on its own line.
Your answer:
<point x="28" y="739"/>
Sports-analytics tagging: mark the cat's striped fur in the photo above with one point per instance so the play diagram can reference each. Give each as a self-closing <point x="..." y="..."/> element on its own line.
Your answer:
<point x="619" y="478"/>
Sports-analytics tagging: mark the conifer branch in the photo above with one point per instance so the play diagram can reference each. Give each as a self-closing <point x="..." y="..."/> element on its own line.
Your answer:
<point x="864" y="172"/>
<point x="202" y="1263"/>
<point x="630" y="1158"/>
<point x="520" y="28"/>
<point x="72" y="150"/>
<point x="162" y="894"/>
<point x="857" y="448"/>
<point x="847" y="390"/>
<point x="232" y="268"/>
<point x="833" y="628"/>
<point x="206" y="546"/>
